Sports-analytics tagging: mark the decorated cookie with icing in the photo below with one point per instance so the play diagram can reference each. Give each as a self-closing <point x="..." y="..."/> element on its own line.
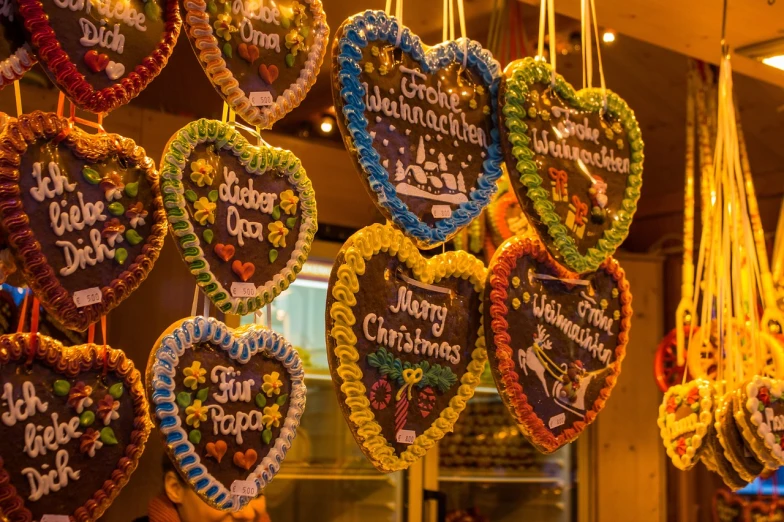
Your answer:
<point x="685" y="414"/>
<point x="736" y="449"/>
<point x="714" y="456"/>
<point x="74" y="423"/>
<point x="760" y="418"/>
<point x="82" y="213"/>
<point x="227" y="404"/>
<point x="16" y="58"/>
<point x="769" y="509"/>
<point x="419" y="123"/>
<point x="555" y="340"/>
<point x="728" y="507"/>
<point x="404" y="342"/>
<point x="575" y="160"/>
<point x="244" y="216"/>
<point x="101" y="54"/>
<point x="262" y="57"/>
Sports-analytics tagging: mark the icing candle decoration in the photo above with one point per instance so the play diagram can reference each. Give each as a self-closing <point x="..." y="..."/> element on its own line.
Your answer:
<point x="556" y="339"/>
<point x="227" y="403"/>
<point x="728" y="507"/>
<point x="760" y="417"/>
<point x="575" y="164"/>
<point x="82" y="212"/>
<point x="73" y="426"/>
<point x="419" y="123"/>
<point x="101" y="54"/>
<point x="244" y="216"/>
<point x="404" y="342"/>
<point x="262" y="57"/>
<point x="685" y="414"/>
<point x="16" y="58"/>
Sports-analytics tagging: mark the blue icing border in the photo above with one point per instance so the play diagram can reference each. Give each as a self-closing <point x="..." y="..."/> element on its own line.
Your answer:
<point x="372" y="26"/>
<point x="240" y="346"/>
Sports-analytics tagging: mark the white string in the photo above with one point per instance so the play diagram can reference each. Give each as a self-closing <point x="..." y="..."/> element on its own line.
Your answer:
<point x="206" y="307"/>
<point x="451" y="20"/>
<point x="588" y="14"/>
<point x="546" y="8"/>
<point x="461" y="16"/>
<point x="195" y="301"/>
<point x="445" y="21"/>
<point x="269" y="316"/>
<point x="598" y="54"/>
<point x="546" y="277"/>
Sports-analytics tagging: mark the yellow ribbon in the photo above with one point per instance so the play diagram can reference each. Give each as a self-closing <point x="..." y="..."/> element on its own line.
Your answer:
<point x="410" y="378"/>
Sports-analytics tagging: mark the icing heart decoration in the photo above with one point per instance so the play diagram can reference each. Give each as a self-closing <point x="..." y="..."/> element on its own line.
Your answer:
<point x="575" y="160"/>
<point x="16" y="58"/>
<point x="74" y="424"/>
<point x="556" y="340"/>
<point x="290" y="38"/>
<point x="419" y="123"/>
<point x="404" y="342"/>
<point x="685" y="416"/>
<point x="760" y="418"/>
<point x="83" y="215"/>
<point x="728" y="507"/>
<point x="244" y="216"/>
<point x="101" y="66"/>
<point x="227" y="404"/>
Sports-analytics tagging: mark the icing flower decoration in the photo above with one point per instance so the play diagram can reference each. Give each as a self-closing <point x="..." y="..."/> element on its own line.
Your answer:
<point x="680" y="447"/>
<point x="202" y="172"/>
<point x="136" y="214"/>
<point x="272" y="384"/>
<point x="205" y="211"/>
<point x="112" y="186"/>
<point x="288" y="201"/>
<point x="194" y="375"/>
<point x="271" y="416"/>
<point x="107" y="409"/>
<point x="79" y="397"/>
<point x="672" y="405"/>
<point x="90" y="441"/>
<point x="295" y="42"/>
<point x="112" y="231"/>
<point x="223" y="27"/>
<point x="196" y="414"/>
<point x="693" y="396"/>
<point x="298" y="13"/>
<point x="277" y="234"/>
<point x="764" y="396"/>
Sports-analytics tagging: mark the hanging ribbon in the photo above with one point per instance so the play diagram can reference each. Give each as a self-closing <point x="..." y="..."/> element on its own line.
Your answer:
<point x="588" y="19"/>
<point x="73" y="119"/>
<point x="23" y="314"/>
<point x="18" y="96"/>
<point x="33" y="331"/>
<point x="104" y="350"/>
<point x="411" y="377"/>
<point x="398" y="16"/>
<point x="546" y="10"/>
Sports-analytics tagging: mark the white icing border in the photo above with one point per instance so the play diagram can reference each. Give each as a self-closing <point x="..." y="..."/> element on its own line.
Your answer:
<point x="758" y="425"/>
<point x="16" y="65"/>
<point x="704" y="420"/>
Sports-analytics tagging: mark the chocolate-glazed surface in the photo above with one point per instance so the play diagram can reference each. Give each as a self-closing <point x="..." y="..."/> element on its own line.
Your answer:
<point x="226" y="471"/>
<point x="428" y="167"/>
<point x="255" y="251"/>
<point x="71" y="166"/>
<point x="600" y="136"/>
<point x="137" y="45"/>
<point x="378" y="290"/>
<point x="93" y="471"/>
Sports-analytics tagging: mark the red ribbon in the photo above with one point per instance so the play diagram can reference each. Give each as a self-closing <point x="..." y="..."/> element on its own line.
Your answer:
<point x="560" y="177"/>
<point x="580" y="210"/>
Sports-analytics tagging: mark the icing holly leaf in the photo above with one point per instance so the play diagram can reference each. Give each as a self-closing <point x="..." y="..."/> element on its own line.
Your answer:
<point x="108" y="436"/>
<point x="208" y="235"/>
<point x="87" y="418"/>
<point x="282" y="399"/>
<point x="91" y="175"/>
<point x="133" y="236"/>
<point x="194" y="436"/>
<point x="116" y="390"/>
<point x="184" y="399"/>
<point x="132" y="189"/>
<point x="120" y="255"/>
<point x="261" y="400"/>
<point x="61" y="387"/>
<point x="116" y="209"/>
<point x="273" y="255"/>
<point x="202" y="394"/>
<point x="191" y="196"/>
<point x="266" y="436"/>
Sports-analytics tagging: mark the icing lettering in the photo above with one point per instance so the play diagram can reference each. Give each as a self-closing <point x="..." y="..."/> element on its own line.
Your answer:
<point x="54" y="480"/>
<point x="227" y="424"/>
<point x="81" y="257"/>
<point x="92" y="36"/>
<point x="420" y="310"/>
<point x="231" y="390"/>
<point x="241" y="228"/>
<point x="55" y="185"/>
<point x="558" y="148"/>
<point x="776" y="422"/>
<point x="23" y="408"/>
<point x="52" y="438"/>
<point x="76" y="217"/>
<point x="263" y="40"/>
<point x="687" y="424"/>
<point x="119" y="10"/>
<point x="256" y="11"/>
<point x="246" y="197"/>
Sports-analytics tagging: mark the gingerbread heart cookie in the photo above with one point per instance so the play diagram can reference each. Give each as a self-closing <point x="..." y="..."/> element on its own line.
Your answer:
<point x="82" y="212"/>
<point x="760" y="417"/>
<point x="770" y="509"/>
<point x="244" y="215"/>
<point x="404" y="342"/>
<point x="227" y="403"/>
<point x="685" y="415"/>
<point x="569" y="335"/>
<point x="16" y="58"/>
<point x="728" y="507"/>
<point x="101" y="55"/>
<point x="262" y="58"/>
<point x="74" y="424"/>
<point x="419" y="123"/>
<point x="575" y="159"/>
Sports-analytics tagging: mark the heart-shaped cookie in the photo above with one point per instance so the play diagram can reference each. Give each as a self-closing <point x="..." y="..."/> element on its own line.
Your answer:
<point x="770" y="509"/>
<point x="83" y="215"/>
<point x="74" y="424"/>
<point x="761" y="419"/>
<point x="575" y="160"/>
<point x="556" y="340"/>
<point x="244" y="215"/>
<point x="685" y="415"/>
<point x="736" y="450"/>
<point x="70" y="39"/>
<point x="419" y="123"/>
<point x="404" y="342"/>
<point x="232" y="39"/>
<point x="227" y="403"/>
<point x="728" y="507"/>
<point x="16" y="58"/>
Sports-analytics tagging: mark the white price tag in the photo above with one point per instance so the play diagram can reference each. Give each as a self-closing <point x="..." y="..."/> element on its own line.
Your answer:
<point x="261" y="98"/>
<point x="244" y="488"/>
<point x="243" y="290"/>
<point x="87" y="297"/>
<point x="557" y="420"/>
<point x="441" y="211"/>
<point x="55" y="518"/>
<point x="405" y="436"/>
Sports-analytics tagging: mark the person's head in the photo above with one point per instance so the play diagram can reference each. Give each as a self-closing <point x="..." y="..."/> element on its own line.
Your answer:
<point x="191" y="508"/>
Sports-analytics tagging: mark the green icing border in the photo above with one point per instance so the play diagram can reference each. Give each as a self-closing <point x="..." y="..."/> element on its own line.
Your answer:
<point x="519" y="76"/>
<point x="256" y="160"/>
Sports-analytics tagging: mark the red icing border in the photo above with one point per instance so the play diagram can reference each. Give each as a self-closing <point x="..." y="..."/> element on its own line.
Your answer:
<point x="499" y="340"/>
<point x="51" y="55"/>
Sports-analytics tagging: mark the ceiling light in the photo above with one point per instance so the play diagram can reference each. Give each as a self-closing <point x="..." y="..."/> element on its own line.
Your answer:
<point x="770" y="52"/>
<point x="775" y="61"/>
<point x="608" y="37"/>
<point x="327" y="125"/>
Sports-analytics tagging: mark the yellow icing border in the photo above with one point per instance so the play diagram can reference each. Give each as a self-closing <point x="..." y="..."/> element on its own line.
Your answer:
<point x="362" y="246"/>
<point x="704" y="419"/>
